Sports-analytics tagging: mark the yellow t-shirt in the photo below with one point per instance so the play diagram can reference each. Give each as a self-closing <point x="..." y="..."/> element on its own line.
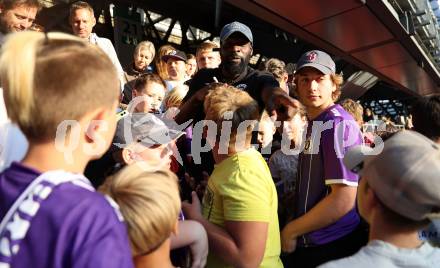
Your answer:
<point x="241" y="189"/>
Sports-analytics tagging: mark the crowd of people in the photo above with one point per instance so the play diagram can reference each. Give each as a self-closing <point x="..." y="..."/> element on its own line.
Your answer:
<point x="181" y="160"/>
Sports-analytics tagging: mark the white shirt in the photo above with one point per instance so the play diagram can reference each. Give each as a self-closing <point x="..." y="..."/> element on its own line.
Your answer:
<point x="431" y="233"/>
<point x="380" y="254"/>
<point x="107" y="46"/>
<point x="13" y="144"/>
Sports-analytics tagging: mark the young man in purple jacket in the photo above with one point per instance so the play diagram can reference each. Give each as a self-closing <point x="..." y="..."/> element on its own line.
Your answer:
<point x="325" y="224"/>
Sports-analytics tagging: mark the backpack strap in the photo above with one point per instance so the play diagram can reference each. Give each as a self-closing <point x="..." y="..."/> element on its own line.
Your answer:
<point x="15" y="224"/>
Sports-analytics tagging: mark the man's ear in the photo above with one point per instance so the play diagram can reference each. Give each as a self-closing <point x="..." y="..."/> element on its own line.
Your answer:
<point x="285" y="77"/>
<point x="93" y="21"/>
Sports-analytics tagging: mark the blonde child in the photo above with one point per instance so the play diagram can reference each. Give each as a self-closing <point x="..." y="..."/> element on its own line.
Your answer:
<point x="172" y="101"/>
<point x="174" y="98"/>
<point x="64" y="100"/>
<point x="146" y="140"/>
<point x="240" y="202"/>
<point x="149" y="201"/>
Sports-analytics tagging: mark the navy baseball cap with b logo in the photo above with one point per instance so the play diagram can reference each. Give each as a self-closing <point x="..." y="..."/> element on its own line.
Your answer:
<point x="318" y="60"/>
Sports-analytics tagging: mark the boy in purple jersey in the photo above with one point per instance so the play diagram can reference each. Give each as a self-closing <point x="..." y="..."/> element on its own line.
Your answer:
<point x="64" y="101"/>
<point x="325" y="218"/>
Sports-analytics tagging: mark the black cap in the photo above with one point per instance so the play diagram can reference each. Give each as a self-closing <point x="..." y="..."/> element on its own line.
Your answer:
<point x="175" y="54"/>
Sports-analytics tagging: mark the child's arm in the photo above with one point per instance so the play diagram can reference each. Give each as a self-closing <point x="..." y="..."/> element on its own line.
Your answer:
<point x="239" y="244"/>
<point x="192" y="234"/>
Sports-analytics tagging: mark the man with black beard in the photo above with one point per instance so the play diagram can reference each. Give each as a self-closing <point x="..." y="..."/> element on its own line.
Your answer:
<point x="236" y="47"/>
<point x="236" y="43"/>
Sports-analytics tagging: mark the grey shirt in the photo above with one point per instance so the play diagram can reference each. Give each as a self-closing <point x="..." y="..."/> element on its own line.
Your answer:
<point x="385" y="255"/>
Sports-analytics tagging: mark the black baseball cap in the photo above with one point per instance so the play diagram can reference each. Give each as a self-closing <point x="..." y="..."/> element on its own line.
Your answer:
<point x="175" y="54"/>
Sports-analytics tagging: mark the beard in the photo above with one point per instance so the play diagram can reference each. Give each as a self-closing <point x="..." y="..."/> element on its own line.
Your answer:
<point x="234" y="68"/>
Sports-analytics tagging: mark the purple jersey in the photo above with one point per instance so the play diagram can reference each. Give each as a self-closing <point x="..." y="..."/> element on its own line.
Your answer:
<point x="328" y="137"/>
<point x="74" y="227"/>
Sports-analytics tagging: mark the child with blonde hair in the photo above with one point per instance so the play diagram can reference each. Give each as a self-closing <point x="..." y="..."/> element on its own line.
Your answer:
<point x="51" y="216"/>
<point x="240" y="202"/>
<point x="173" y="99"/>
<point x="148" y="141"/>
<point x="150" y="203"/>
<point x="175" y="96"/>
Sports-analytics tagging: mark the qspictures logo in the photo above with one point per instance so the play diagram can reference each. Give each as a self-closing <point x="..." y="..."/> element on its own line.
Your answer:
<point x="207" y="134"/>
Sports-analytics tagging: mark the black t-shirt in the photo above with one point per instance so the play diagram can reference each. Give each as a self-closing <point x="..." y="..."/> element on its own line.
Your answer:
<point x="252" y="82"/>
